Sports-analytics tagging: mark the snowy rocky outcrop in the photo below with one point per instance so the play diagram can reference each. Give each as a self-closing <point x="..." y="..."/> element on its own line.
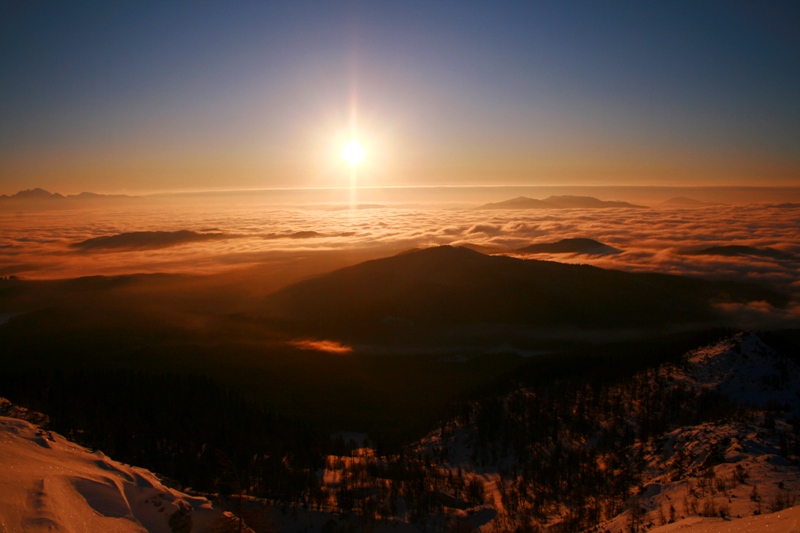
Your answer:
<point x="710" y="475"/>
<point x="723" y="476"/>
<point x="728" y="475"/>
<point x="747" y="371"/>
<point x="708" y="444"/>
<point x="23" y="413"/>
<point x="48" y="483"/>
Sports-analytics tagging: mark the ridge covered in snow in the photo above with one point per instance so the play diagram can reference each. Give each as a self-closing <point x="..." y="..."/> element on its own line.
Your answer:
<point x="721" y="472"/>
<point x="786" y="521"/>
<point x="709" y="444"/>
<point x="747" y="371"/>
<point x="48" y="483"/>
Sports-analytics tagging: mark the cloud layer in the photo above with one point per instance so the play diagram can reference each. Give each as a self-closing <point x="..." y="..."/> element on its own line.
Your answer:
<point x="42" y="245"/>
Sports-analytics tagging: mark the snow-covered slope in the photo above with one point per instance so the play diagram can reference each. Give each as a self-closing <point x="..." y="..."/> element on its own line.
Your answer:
<point x="728" y="473"/>
<point x="786" y="521"/>
<point x="48" y="483"/>
<point x="747" y="371"/>
<point x="725" y="472"/>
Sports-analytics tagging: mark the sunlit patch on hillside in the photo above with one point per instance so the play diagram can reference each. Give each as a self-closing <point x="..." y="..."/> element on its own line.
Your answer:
<point x="321" y="346"/>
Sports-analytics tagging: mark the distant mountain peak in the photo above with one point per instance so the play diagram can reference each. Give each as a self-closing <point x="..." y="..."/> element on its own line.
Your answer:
<point x="146" y="240"/>
<point x="520" y="202"/>
<point x="558" y="202"/>
<point x="36" y="194"/>
<point x="574" y="246"/>
<point x="441" y="250"/>
<point x="571" y="198"/>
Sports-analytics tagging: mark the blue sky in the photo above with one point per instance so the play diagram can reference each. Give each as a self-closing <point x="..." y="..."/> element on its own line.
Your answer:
<point x="145" y="96"/>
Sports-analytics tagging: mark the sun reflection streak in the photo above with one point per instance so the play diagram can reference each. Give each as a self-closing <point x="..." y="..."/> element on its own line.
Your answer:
<point x="354" y="135"/>
<point x="353" y="187"/>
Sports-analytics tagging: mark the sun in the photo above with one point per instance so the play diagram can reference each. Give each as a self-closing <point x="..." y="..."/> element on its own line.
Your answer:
<point x="353" y="153"/>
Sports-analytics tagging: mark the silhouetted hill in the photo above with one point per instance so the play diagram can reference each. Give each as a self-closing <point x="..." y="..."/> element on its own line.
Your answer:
<point x="145" y="239"/>
<point x="304" y="235"/>
<point x="556" y="202"/>
<point x="570" y="246"/>
<point x="481" y="248"/>
<point x="520" y="202"/>
<point x="585" y="202"/>
<point x="426" y="292"/>
<point x="33" y="194"/>
<point x="739" y="250"/>
<point x="40" y="198"/>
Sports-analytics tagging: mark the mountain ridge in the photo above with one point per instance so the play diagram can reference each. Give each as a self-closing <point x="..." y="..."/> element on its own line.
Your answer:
<point x="445" y="288"/>
<point x="725" y="461"/>
<point x="70" y="488"/>
<point x="559" y="202"/>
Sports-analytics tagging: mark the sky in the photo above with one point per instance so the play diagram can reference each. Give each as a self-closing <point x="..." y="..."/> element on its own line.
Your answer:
<point x="146" y="96"/>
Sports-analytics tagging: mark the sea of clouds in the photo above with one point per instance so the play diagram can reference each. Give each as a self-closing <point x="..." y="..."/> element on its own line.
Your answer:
<point x="37" y="245"/>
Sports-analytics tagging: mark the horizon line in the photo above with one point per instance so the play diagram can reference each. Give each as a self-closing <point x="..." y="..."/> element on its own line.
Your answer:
<point x="173" y="192"/>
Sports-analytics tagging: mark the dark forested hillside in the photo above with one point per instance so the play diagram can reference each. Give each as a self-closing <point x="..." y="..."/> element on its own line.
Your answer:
<point x="428" y="293"/>
<point x="184" y="427"/>
<point x="568" y="442"/>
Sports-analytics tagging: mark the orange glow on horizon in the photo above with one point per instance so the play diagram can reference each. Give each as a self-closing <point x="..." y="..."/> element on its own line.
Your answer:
<point x="321" y="346"/>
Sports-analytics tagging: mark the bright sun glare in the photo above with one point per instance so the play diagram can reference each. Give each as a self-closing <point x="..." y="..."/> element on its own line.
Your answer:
<point x="353" y="153"/>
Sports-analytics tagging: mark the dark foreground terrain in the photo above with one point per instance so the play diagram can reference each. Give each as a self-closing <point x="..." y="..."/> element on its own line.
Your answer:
<point x="219" y="394"/>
